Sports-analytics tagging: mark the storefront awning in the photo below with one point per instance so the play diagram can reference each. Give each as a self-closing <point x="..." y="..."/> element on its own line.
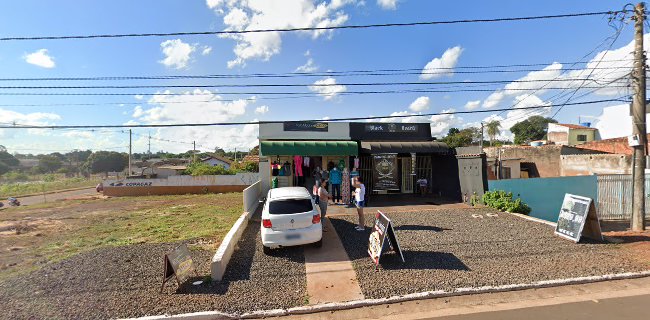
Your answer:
<point x="404" y="147"/>
<point x="308" y="148"/>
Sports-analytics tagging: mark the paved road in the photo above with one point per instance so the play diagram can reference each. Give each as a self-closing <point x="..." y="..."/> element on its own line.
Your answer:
<point x="53" y="196"/>
<point x="635" y="307"/>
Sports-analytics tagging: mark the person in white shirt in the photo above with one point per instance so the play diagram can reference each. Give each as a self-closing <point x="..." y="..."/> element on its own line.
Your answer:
<point x="323" y="196"/>
<point x="359" y="201"/>
<point x="423" y="183"/>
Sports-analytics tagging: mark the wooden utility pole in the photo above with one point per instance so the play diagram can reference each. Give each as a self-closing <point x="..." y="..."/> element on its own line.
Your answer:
<point x="481" y="143"/>
<point x="194" y="151"/>
<point x="130" y="145"/>
<point x="639" y="122"/>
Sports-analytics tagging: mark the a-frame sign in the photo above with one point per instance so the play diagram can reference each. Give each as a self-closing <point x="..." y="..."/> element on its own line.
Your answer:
<point x="382" y="231"/>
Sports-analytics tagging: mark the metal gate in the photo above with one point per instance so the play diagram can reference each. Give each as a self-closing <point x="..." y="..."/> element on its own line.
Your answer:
<point x="424" y="168"/>
<point x="615" y="196"/>
<point x="407" y="175"/>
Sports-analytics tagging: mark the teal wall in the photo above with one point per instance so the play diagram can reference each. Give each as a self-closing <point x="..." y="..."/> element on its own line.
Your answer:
<point x="545" y="195"/>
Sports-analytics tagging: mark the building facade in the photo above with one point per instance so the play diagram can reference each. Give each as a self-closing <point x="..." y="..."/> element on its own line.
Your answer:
<point x="571" y="134"/>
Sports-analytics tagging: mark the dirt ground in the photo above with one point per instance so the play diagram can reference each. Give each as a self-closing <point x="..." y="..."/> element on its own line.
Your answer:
<point x="33" y="236"/>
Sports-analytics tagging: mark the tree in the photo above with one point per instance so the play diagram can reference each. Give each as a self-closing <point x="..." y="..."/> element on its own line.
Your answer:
<point x="8" y="159"/>
<point x="531" y="129"/>
<point x="3" y="168"/>
<point x="105" y="161"/>
<point x="462" y="138"/>
<point x="49" y="163"/>
<point x="493" y="129"/>
<point x="255" y="151"/>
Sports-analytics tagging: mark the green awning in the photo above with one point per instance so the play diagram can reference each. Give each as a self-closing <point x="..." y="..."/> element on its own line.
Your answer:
<point x="309" y="148"/>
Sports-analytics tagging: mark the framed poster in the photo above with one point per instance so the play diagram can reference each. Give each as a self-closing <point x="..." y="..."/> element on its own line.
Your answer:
<point x="385" y="172"/>
<point x="382" y="234"/>
<point x="577" y="218"/>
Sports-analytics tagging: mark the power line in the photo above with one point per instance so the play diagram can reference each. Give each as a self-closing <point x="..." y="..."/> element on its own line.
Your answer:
<point x="366" y="26"/>
<point x="290" y="85"/>
<point x="307" y="94"/>
<point x="377" y="72"/>
<point x="266" y="122"/>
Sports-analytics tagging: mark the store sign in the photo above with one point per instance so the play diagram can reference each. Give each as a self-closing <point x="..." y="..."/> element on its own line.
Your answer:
<point x="306" y="126"/>
<point x="382" y="231"/>
<point x="578" y="218"/>
<point x="385" y="172"/>
<point x="391" y="127"/>
<point x="178" y="263"/>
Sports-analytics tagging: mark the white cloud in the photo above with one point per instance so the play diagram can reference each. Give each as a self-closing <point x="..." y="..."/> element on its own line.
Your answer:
<point x="79" y="134"/>
<point x="138" y="97"/>
<point x="471" y="105"/>
<point x="494" y="99"/>
<point x="615" y="122"/>
<point x="443" y="66"/>
<point x="535" y="80"/>
<point x="274" y="14"/>
<point x="40" y="58"/>
<point x="420" y="104"/>
<point x="138" y="112"/>
<point x="35" y="118"/>
<point x="327" y="88"/>
<point x="307" y="67"/>
<point x="177" y="53"/>
<point x="387" y="4"/>
<point x="262" y="109"/>
<point x="206" y="50"/>
<point x="440" y="124"/>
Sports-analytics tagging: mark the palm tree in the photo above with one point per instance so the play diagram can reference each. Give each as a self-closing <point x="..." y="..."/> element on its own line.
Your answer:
<point x="493" y="129"/>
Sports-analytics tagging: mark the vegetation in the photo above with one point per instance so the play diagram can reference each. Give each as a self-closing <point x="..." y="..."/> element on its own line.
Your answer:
<point x="49" y="163"/>
<point x="503" y="201"/>
<point x="531" y="129"/>
<point x="72" y="227"/>
<point x="462" y="138"/>
<point x="200" y="169"/>
<point x="48" y="183"/>
<point x="493" y="130"/>
<point x="105" y="161"/>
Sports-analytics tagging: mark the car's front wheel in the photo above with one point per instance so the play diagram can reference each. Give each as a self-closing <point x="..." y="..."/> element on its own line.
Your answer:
<point x="266" y="250"/>
<point x="319" y="243"/>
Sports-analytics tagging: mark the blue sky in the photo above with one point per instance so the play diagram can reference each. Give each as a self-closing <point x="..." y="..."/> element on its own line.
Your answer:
<point x="545" y="42"/>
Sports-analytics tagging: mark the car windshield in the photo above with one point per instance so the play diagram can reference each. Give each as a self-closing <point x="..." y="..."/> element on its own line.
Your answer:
<point x="290" y="206"/>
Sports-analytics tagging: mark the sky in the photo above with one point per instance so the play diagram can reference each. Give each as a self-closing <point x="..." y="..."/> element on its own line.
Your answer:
<point x="438" y="53"/>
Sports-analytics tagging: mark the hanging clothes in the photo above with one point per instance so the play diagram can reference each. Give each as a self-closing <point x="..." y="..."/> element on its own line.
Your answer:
<point x="297" y="161"/>
<point x="306" y="161"/>
<point x="345" y="186"/>
<point x="356" y="163"/>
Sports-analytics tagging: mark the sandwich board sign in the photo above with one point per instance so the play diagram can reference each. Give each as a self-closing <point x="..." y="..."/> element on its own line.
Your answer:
<point x="578" y="218"/>
<point x="382" y="231"/>
<point x="178" y="264"/>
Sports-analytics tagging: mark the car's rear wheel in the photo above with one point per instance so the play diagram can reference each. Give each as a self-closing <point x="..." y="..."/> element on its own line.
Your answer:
<point x="266" y="250"/>
<point x="319" y="243"/>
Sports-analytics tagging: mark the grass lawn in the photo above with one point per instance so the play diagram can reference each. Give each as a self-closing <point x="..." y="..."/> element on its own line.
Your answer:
<point x="50" y="232"/>
<point x="22" y="188"/>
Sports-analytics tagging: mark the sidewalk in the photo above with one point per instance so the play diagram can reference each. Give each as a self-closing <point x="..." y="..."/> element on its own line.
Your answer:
<point x="572" y="302"/>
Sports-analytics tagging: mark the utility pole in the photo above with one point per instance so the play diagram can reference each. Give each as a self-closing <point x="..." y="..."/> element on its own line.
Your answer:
<point x="130" y="146"/>
<point x="194" y="151"/>
<point x="149" y="149"/>
<point x="235" y="154"/>
<point x="639" y="122"/>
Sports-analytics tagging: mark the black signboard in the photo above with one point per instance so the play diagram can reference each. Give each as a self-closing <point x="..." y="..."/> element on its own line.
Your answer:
<point x="381" y="131"/>
<point x="178" y="263"/>
<point x="385" y="172"/>
<point x="306" y="126"/>
<point x="578" y="218"/>
<point x="381" y="231"/>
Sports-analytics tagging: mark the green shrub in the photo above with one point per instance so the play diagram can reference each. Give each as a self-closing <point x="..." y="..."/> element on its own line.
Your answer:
<point x="502" y="201"/>
<point x="202" y="169"/>
<point x="15" y="176"/>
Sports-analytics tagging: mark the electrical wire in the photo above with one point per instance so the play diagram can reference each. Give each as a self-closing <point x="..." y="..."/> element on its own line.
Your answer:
<point x="366" y="26"/>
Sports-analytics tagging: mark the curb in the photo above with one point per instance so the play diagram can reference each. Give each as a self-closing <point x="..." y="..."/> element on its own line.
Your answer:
<point x="396" y="299"/>
<point x="552" y="224"/>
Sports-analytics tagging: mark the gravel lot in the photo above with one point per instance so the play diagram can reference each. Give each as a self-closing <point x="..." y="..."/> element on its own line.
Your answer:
<point x="125" y="282"/>
<point x="447" y="249"/>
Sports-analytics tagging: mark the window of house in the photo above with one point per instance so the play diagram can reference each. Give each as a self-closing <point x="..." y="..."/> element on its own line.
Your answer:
<point x="582" y="137"/>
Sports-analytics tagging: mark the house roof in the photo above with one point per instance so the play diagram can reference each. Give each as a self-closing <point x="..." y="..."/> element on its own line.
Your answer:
<point x="251" y="158"/>
<point x="574" y="126"/>
<point x="222" y="159"/>
<point x="173" y="167"/>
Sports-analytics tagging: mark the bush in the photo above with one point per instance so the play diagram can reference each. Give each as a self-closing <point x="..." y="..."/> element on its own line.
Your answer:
<point x="15" y="176"/>
<point x="503" y="201"/>
<point x="202" y="169"/>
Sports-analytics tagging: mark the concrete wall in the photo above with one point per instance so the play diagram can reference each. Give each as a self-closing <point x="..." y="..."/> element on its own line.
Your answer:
<point x="545" y="160"/>
<point x="581" y="165"/>
<point x="573" y="136"/>
<point x="515" y="167"/>
<point x="616" y="145"/>
<point x="251" y="196"/>
<point x="180" y="185"/>
<point x="335" y="131"/>
<point x="545" y="195"/>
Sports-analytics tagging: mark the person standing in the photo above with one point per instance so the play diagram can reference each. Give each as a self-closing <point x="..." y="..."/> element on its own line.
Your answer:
<point x="336" y="177"/>
<point x="423" y="183"/>
<point x="323" y="197"/>
<point x="359" y="201"/>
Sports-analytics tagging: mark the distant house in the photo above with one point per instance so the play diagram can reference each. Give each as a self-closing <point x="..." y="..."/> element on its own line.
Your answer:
<point x="215" y="160"/>
<point x="571" y="134"/>
<point x="251" y="158"/>
<point x="169" y="170"/>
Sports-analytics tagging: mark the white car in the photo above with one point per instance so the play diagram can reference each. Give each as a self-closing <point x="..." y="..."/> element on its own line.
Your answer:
<point x="290" y="218"/>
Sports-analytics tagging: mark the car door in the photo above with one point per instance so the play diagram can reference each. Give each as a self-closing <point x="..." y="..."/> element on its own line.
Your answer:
<point x="291" y="213"/>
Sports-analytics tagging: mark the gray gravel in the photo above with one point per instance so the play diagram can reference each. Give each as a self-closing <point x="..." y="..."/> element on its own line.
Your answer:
<point x="448" y="249"/>
<point x="125" y="282"/>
